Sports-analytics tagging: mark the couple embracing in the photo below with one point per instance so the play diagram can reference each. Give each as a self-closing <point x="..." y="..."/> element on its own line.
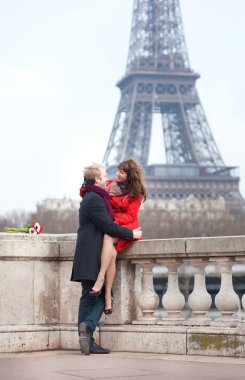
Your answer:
<point x="108" y="222"/>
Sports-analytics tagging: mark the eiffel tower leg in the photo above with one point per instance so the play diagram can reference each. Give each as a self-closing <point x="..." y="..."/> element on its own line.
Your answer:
<point x="139" y="132"/>
<point x="131" y="132"/>
<point x="114" y="148"/>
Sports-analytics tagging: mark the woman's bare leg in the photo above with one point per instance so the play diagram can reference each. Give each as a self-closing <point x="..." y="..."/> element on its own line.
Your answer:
<point x="106" y="257"/>
<point x="109" y="278"/>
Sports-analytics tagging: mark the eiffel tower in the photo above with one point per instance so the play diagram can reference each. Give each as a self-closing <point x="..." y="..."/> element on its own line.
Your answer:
<point x="159" y="79"/>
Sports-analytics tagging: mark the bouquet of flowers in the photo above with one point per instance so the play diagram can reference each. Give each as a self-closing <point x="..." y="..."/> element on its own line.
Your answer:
<point x="34" y="228"/>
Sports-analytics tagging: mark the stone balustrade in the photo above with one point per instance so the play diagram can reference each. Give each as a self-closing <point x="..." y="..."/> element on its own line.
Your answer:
<point x="38" y="303"/>
<point x="184" y="251"/>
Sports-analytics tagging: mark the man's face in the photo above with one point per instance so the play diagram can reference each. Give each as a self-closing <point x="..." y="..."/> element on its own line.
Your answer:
<point x="102" y="179"/>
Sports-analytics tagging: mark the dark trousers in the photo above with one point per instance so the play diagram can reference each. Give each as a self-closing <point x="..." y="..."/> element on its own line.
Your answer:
<point x="90" y="308"/>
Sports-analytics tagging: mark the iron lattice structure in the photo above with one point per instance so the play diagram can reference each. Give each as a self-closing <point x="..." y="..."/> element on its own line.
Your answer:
<point x="159" y="79"/>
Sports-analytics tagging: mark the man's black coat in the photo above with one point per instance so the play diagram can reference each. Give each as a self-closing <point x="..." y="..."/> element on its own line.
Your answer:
<point x="94" y="222"/>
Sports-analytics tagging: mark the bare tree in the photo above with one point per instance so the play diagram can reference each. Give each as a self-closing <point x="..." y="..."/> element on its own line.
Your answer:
<point x="163" y="224"/>
<point x="155" y="223"/>
<point x="56" y="222"/>
<point x="15" y="218"/>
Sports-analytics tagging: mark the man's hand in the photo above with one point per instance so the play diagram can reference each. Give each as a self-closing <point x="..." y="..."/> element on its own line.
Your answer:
<point x="137" y="233"/>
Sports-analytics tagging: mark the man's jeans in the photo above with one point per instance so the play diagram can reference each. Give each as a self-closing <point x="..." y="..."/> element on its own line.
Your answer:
<point x="90" y="308"/>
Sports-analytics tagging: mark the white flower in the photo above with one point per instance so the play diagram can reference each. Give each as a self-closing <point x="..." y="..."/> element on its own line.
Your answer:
<point x="32" y="231"/>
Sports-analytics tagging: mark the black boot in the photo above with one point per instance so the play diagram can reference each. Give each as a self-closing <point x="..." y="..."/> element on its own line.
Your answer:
<point x="96" y="349"/>
<point x="85" y="338"/>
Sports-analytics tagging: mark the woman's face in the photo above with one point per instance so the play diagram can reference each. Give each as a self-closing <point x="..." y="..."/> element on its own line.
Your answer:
<point x="121" y="175"/>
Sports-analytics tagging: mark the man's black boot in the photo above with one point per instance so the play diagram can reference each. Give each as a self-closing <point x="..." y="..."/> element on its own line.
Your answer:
<point x="96" y="349"/>
<point x="85" y="338"/>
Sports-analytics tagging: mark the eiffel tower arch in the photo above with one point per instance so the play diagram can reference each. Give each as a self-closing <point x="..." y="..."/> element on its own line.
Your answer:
<point x="159" y="79"/>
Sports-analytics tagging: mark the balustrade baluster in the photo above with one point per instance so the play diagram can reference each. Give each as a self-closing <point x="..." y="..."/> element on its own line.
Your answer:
<point x="226" y="301"/>
<point x="199" y="300"/>
<point x="173" y="300"/>
<point x="243" y="301"/>
<point x="147" y="300"/>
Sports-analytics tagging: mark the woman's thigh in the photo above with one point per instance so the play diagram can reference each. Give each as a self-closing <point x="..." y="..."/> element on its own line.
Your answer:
<point x="110" y="240"/>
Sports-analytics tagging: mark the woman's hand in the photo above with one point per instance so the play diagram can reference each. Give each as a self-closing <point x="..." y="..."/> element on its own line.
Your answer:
<point x="137" y="233"/>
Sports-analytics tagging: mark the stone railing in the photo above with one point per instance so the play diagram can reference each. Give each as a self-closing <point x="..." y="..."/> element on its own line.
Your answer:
<point x="225" y="252"/>
<point x="38" y="303"/>
<point x="185" y="325"/>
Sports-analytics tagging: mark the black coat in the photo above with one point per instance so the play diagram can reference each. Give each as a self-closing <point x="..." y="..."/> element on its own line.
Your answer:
<point x="94" y="222"/>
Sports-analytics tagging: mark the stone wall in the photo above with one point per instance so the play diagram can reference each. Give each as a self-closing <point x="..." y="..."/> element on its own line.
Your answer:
<point x="38" y="303"/>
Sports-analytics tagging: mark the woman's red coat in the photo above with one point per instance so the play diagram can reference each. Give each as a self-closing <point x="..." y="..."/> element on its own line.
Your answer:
<point x="126" y="214"/>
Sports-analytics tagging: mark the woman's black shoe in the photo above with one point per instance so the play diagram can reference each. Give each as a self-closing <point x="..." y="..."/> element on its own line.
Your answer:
<point x="109" y="311"/>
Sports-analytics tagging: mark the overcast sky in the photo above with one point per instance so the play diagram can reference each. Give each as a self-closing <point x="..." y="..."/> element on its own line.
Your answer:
<point x="60" y="61"/>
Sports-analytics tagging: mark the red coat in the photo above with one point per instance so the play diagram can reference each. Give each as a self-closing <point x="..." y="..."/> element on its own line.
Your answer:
<point x="126" y="214"/>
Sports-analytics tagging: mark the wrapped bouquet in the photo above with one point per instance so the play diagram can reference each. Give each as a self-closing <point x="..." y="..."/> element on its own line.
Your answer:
<point x="34" y="228"/>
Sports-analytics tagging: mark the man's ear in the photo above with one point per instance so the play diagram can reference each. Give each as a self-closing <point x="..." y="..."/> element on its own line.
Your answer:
<point x="96" y="179"/>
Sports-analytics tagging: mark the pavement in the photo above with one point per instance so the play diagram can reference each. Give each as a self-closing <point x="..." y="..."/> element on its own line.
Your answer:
<point x="71" y="365"/>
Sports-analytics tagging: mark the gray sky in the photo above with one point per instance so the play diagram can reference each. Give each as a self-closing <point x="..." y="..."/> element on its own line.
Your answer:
<point x="60" y="61"/>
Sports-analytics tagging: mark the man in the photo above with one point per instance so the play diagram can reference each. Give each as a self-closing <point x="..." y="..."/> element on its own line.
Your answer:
<point x="95" y="220"/>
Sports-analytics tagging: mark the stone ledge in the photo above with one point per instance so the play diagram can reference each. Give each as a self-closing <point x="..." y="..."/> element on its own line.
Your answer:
<point x="27" y="328"/>
<point x="29" y="247"/>
<point x="143" y="328"/>
<point x="67" y="249"/>
<point x="224" y="245"/>
<point x="26" y="338"/>
<point x="216" y="344"/>
<point x="175" y="340"/>
<point x="151" y="339"/>
<point x="155" y="248"/>
<point x="35" y="340"/>
<point x="205" y="341"/>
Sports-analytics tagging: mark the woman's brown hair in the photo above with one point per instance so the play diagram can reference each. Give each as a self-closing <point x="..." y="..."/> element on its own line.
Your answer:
<point x="135" y="177"/>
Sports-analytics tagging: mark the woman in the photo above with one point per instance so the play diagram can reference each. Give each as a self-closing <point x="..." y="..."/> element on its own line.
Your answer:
<point x="126" y="195"/>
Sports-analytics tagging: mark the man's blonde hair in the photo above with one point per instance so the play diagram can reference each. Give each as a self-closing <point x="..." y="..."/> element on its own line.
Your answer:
<point x="92" y="171"/>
